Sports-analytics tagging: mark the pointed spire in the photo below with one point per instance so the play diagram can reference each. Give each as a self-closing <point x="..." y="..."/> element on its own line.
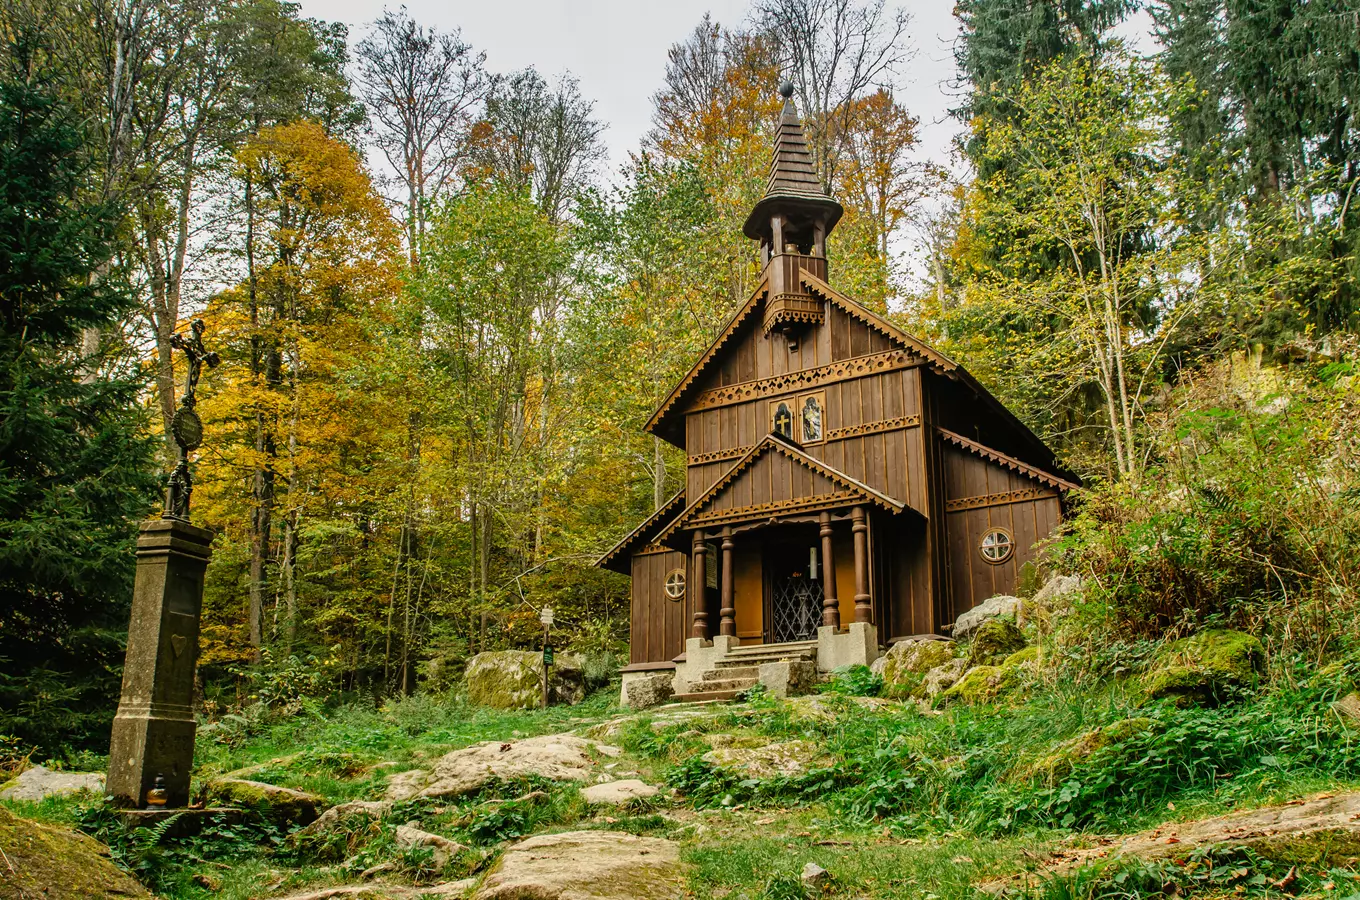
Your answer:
<point x="792" y="172"/>
<point x="793" y="188"/>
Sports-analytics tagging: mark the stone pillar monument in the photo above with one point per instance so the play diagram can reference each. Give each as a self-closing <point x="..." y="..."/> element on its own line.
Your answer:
<point x="153" y="732"/>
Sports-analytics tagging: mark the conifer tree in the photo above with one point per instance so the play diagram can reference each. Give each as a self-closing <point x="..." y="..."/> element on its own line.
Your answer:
<point x="77" y="467"/>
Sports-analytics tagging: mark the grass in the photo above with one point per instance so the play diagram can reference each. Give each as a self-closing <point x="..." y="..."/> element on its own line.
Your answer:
<point x="905" y="803"/>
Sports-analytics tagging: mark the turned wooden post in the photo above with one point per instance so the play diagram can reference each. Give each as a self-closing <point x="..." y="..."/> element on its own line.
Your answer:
<point x="860" y="527"/>
<point x="831" y="607"/>
<point x="699" y="580"/>
<point x="727" y="622"/>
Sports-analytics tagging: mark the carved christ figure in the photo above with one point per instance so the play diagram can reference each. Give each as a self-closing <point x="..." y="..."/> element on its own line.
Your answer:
<point x="197" y="355"/>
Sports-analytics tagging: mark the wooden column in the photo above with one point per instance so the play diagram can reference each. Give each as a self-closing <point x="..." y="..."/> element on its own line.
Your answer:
<point x="698" y="582"/>
<point x="727" y="622"/>
<point x="831" y="607"/>
<point x="860" y="527"/>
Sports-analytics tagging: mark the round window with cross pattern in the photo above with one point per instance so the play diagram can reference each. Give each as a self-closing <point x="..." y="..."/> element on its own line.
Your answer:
<point x="997" y="546"/>
<point x="675" y="584"/>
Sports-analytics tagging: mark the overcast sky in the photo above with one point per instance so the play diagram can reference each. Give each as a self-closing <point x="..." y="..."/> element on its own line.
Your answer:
<point x="617" y="48"/>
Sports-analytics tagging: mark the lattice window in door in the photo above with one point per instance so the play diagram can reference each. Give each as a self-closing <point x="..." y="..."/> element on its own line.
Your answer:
<point x="797" y="609"/>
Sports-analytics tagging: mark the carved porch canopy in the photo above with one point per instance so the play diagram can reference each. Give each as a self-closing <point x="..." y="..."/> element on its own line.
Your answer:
<point x="776" y="480"/>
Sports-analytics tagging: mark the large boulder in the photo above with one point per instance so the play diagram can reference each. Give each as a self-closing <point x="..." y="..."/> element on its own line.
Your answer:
<point x="39" y="860"/>
<point x="942" y="678"/>
<point x="906" y="664"/>
<point x="1205" y="667"/>
<point x="513" y="679"/>
<point x="587" y="865"/>
<point x="646" y="691"/>
<point x="279" y="803"/>
<point x="783" y="759"/>
<point x="614" y="793"/>
<point x="443" y="850"/>
<point x="1000" y="606"/>
<point x="553" y="757"/>
<point x="993" y="642"/>
<point x="39" y="783"/>
<point x="987" y="683"/>
<point x="1054" y="590"/>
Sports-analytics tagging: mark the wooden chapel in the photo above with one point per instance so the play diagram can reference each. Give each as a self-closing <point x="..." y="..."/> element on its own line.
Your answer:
<point x="839" y="470"/>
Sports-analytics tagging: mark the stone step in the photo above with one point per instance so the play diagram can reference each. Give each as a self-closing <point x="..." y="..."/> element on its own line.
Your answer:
<point x="742" y="671"/>
<point x="726" y="684"/>
<point x="743" y="662"/>
<point x="704" y="697"/>
<point x="760" y="649"/>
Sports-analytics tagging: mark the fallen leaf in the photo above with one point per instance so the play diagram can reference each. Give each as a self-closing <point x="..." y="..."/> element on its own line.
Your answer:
<point x="1288" y="880"/>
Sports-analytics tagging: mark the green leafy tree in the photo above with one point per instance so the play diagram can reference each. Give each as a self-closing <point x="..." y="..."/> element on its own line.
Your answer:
<point x="77" y="468"/>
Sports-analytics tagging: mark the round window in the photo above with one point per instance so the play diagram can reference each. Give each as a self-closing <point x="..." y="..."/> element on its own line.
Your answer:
<point x="997" y="546"/>
<point x="675" y="584"/>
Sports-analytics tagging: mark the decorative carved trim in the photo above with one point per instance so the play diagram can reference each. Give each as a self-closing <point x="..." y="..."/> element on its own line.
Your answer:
<point x="855" y="367"/>
<point x="701" y="459"/>
<point x="840" y="434"/>
<point x="999" y="499"/>
<point x="653" y="549"/>
<point x="1009" y="462"/>
<point x="777" y="507"/>
<point x="792" y="309"/>
<point x="861" y="491"/>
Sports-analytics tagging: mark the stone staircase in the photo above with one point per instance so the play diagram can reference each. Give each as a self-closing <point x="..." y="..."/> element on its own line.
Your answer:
<point x="740" y="670"/>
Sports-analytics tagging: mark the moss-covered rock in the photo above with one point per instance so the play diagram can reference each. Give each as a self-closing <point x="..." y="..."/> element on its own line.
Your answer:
<point x="1056" y="766"/>
<point x="980" y="684"/>
<point x="1205" y="667"/>
<point x="993" y="642"/>
<point x="513" y="679"/>
<point x="56" y="864"/>
<point x="906" y="665"/>
<point x="278" y="803"/>
<point x="988" y="683"/>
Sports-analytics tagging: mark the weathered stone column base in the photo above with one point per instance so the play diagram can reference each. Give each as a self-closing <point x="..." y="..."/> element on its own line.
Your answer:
<point x="150" y="744"/>
<point x="855" y="645"/>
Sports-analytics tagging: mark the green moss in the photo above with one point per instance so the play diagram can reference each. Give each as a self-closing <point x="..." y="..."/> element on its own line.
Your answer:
<point x="48" y="862"/>
<point x="1056" y="766"/>
<point x="907" y="663"/>
<point x="993" y="642"/>
<point x="980" y="684"/>
<point x="282" y="804"/>
<point x="1205" y="667"/>
<point x="1021" y="657"/>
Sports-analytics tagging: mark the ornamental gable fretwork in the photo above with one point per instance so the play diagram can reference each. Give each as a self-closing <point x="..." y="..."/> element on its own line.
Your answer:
<point x="855" y="367"/>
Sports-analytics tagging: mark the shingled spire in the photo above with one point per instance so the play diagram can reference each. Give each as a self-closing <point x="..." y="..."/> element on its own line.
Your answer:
<point x="793" y="190"/>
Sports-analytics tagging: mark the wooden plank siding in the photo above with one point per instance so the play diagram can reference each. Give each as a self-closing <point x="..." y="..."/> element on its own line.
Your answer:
<point x="658" y="624"/>
<point x="887" y="453"/>
<point x="989" y="490"/>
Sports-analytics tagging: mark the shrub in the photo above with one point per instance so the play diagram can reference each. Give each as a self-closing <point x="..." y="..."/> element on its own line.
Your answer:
<point x="1245" y="517"/>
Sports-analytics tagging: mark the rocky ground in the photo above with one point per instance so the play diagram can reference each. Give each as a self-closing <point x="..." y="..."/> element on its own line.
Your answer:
<point x="974" y="768"/>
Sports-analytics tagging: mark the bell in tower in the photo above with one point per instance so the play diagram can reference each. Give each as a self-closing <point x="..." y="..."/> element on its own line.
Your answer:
<point x="791" y="223"/>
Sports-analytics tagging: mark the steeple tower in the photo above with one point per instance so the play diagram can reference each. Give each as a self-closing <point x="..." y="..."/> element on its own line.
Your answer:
<point x="791" y="223"/>
<point x="795" y="208"/>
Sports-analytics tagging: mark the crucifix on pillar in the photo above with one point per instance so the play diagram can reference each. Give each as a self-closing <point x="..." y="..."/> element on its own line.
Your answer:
<point x="151" y="749"/>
